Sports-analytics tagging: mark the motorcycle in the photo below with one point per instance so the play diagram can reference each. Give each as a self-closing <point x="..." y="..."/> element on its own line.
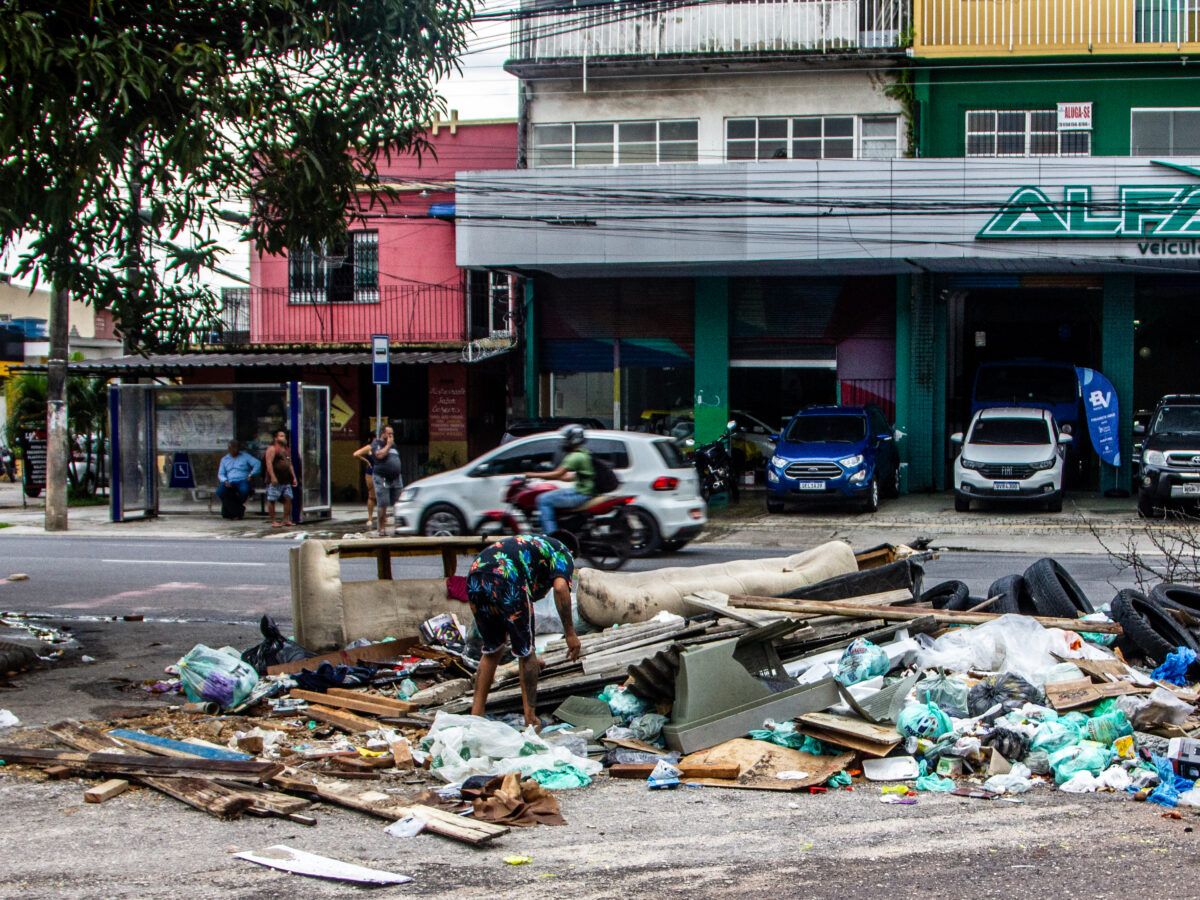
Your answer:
<point x="714" y="465"/>
<point x="599" y="530"/>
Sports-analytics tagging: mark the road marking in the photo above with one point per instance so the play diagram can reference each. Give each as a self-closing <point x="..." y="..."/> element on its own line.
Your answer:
<point x="181" y="562"/>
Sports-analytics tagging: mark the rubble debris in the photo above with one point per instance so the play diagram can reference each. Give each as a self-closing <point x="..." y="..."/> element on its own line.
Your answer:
<point x="106" y="790"/>
<point x="298" y="862"/>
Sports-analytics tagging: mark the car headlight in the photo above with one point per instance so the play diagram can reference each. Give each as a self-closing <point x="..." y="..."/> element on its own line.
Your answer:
<point x="1043" y="464"/>
<point x="1154" y="458"/>
<point x="409" y="494"/>
<point x="969" y="463"/>
<point x="778" y="462"/>
<point x="851" y="462"/>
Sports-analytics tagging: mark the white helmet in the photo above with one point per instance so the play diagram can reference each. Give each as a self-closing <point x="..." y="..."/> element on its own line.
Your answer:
<point x="572" y="436"/>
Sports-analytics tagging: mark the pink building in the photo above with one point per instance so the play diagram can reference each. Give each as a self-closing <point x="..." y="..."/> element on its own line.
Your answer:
<point x="396" y="275"/>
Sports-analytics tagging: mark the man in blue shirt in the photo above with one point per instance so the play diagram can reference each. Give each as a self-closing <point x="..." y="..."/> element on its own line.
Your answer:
<point x="237" y="467"/>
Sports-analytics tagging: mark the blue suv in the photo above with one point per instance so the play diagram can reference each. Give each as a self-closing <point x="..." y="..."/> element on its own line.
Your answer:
<point x="835" y="452"/>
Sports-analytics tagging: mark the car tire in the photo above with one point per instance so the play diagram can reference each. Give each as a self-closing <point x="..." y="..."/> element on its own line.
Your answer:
<point x="871" y="501"/>
<point x="949" y="595"/>
<point x="1145" y="506"/>
<point x="774" y="506"/>
<point x="645" y="538"/>
<point x="1055" y="593"/>
<point x="1014" y="596"/>
<point x="1177" y="597"/>
<point x="442" y="519"/>
<point x="892" y="491"/>
<point x="1151" y="628"/>
<point x="1054" y="504"/>
<point x="962" y="503"/>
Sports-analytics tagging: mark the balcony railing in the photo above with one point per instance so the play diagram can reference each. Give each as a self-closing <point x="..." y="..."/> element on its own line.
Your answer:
<point x="951" y="27"/>
<point x="709" y="27"/>
<point x="415" y="313"/>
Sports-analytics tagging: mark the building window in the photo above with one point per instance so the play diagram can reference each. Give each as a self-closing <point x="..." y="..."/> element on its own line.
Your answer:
<point x="813" y="137"/>
<point x="489" y="303"/>
<point x="615" y="143"/>
<point x="1023" y="132"/>
<point x="1165" y="132"/>
<point x="347" y="273"/>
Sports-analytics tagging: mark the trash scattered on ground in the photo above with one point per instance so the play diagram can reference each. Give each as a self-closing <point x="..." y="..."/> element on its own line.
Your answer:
<point x="298" y="862"/>
<point x="7" y="719"/>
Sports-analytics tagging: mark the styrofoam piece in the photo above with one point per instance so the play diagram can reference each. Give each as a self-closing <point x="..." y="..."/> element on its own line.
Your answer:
<point x="891" y="768"/>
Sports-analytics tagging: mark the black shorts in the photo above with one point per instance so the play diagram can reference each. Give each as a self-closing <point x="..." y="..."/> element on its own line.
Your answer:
<point x="503" y="611"/>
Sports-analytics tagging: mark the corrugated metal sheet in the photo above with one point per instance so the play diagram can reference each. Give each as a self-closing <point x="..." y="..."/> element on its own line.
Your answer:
<point x="178" y="361"/>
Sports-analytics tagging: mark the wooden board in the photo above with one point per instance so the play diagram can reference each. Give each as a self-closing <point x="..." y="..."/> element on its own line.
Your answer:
<point x="131" y="764"/>
<point x="161" y="746"/>
<point x="359" y="703"/>
<point x="394" y="703"/>
<point x="368" y="654"/>
<point x="340" y="719"/>
<point x="759" y="762"/>
<point x="105" y="791"/>
<point x="845" y="731"/>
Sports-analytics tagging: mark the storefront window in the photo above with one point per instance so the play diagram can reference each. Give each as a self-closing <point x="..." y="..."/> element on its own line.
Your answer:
<point x="1165" y="132"/>
<point x="348" y="273"/>
<point x="1019" y="132"/>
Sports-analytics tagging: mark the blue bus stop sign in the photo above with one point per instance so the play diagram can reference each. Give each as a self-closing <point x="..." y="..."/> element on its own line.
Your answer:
<point x="181" y="472"/>
<point x="379" y="359"/>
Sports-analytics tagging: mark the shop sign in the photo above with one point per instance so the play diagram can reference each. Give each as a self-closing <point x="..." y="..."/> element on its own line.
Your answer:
<point x="1075" y="116"/>
<point x="1149" y="214"/>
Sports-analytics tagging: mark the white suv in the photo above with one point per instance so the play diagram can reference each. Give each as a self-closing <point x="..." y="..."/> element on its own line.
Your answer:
<point x="1010" y="454"/>
<point x="664" y="486"/>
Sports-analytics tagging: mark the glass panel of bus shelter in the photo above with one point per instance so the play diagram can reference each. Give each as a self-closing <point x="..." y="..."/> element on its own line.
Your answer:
<point x="314" y="448"/>
<point x="134" y="434"/>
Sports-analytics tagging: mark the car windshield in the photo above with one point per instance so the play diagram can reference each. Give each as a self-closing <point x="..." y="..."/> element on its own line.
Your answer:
<point x="826" y="430"/>
<point x="1177" y="420"/>
<point x="670" y="455"/>
<point x="1010" y="431"/>
<point x="1026" y="384"/>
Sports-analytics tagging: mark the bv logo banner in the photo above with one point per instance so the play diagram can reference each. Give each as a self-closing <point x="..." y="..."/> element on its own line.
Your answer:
<point x="1103" y="414"/>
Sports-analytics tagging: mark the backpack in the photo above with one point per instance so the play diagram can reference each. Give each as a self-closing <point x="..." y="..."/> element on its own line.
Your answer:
<point x="605" y="479"/>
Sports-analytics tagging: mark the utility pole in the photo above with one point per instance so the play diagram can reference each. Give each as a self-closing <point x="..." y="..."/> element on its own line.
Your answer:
<point x="56" y="412"/>
<point x="130" y="338"/>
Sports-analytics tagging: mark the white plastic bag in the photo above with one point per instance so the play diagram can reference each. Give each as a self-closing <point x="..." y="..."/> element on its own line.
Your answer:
<point x="462" y="746"/>
<point x="1015" y="781"/>
<point x="216" y="676"/>
<point x="1114" y="778"/>
<point x="1161" y="707"/>
<point x="1080" y="783"/>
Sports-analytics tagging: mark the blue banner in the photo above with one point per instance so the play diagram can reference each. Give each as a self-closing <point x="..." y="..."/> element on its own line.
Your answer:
<point x="1103" y="414"/>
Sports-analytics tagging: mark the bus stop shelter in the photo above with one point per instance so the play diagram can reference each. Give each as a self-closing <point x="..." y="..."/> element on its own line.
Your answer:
<point x="167" y="442"/>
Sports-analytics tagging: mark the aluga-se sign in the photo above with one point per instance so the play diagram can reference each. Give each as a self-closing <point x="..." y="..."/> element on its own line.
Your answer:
<point x="1150" y="214"/>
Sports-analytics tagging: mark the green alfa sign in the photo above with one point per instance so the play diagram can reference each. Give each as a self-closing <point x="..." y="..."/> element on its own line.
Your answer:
<point x="1147" y="213"/>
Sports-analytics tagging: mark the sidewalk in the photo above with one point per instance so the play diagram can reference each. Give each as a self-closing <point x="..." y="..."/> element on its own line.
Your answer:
<point x="93" y="521"/>
<point x="1011" y="528"/>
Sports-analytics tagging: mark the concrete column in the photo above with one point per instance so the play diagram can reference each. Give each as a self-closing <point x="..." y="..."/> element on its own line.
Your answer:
<point x="712" y="358"/>
<point x="921" y="382"/>
<point x="903" y="363"/>
<point x="1116" y="362"/>
<point x="938" y="436"/>
<point x="532" y="381"/>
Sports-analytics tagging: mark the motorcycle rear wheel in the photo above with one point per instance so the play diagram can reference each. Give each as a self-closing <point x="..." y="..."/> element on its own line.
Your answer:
<point x="607" y="545"/>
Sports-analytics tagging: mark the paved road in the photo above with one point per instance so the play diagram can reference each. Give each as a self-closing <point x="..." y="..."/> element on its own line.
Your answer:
<point x="239" y="580"/>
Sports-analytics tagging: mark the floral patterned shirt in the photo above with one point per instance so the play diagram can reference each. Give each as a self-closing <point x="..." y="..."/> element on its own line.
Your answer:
<point x="530" y="561"/>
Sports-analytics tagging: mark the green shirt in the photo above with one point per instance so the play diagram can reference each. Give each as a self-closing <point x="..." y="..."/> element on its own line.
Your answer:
<point x="580" y="462"/>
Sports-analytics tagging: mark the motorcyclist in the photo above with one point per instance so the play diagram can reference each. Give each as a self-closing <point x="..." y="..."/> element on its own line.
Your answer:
<point x="576" y="469"/>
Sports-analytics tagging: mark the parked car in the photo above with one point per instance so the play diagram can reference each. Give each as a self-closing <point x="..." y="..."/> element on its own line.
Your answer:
<point x="89" y="464"/>
<point x="1170" y="463"/>
<point x="524" y="427"/>
<point x="1011" y="453"/>
<point x="835" y="452"/>
<point x="666" y="490"/>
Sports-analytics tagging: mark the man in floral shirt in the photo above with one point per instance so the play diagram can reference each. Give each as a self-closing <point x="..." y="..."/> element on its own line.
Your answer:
<point x="504" y="582"/>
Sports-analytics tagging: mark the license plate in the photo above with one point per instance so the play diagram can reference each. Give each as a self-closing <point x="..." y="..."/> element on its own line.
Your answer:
<point x="1008" y="485"/>
<point x="1189" y="489"/>
<point x="810" y="485"/>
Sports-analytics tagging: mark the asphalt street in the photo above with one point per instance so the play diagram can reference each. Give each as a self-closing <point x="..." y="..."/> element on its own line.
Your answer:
<point x="239" y="580"/>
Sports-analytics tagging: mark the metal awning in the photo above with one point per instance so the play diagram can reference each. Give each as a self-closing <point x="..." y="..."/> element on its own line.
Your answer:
<point x="173" y="363"/>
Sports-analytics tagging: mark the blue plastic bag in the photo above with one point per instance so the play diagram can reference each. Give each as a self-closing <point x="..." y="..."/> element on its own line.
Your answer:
<point x="1175" y="666"/>
<point x="623" y="704"/>
<point x="923" y="720"/>
<point x="1170" y="785"/>
<point x="860" y="661"/>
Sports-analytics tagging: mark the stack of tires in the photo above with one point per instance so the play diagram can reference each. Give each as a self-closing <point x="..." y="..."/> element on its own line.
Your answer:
<point x="1158" y="623"/>
<point x="1045" y="589"/>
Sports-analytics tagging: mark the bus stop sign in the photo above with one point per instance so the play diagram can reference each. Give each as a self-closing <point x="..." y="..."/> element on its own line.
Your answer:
<point x="379" y="359"/>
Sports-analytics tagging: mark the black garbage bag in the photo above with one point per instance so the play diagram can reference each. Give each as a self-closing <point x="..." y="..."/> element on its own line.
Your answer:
<point x="328" y="675"/>
<point x="1009" y="690"/>
<point x="1009" y="743"/>
<point x="274" y="650"/>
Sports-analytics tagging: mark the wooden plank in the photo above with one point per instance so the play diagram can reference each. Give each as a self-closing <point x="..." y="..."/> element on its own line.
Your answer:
<point x="449" y="561"/>
<point x="162" y="746"/>
<point x="407" y="546"/>
<point x="264" y="798"/>
<point x="340" y="719"/>
<point x="696" y="770"/>
<point x="383" y="564"/>
<point x="57" y="773"/>
<point x="868" y="739"/>
<point x="105" y="791"/>
<point x="396" y="704"/>
<point x="207" y="796"/>
<point x="356" y="703"/>
<point x="127" y="763"/>
<point x="819" y="607"/>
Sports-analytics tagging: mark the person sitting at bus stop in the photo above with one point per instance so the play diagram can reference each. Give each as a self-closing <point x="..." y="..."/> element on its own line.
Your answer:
<point x="576" y="469"/>
<point x="233" y="477"/>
